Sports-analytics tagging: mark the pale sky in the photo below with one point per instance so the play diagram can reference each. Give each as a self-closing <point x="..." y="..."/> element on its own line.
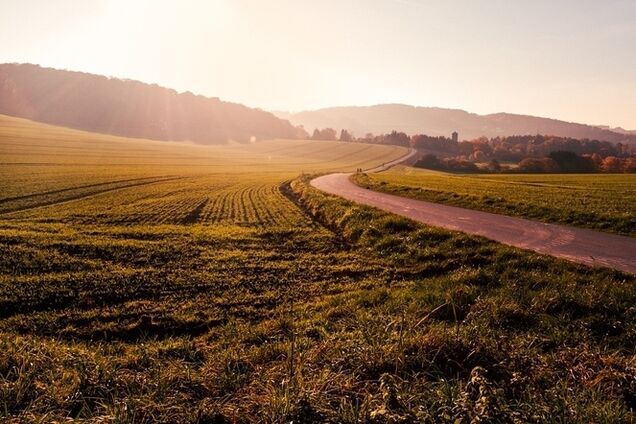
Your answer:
<point x="566" y="59"/>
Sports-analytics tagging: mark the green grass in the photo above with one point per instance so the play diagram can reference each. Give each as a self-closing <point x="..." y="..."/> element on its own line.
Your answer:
<point x="604" y="202"/>
<point x="233" y="292"/>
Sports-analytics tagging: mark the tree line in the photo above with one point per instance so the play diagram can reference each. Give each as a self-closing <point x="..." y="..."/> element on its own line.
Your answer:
<point x="561" y="161"/>
<point x="531" y="153"/>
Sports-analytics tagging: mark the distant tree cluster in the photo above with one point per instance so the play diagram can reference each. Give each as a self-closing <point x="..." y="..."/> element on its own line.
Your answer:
<point x="430" y="161"/>
<point x="561" y="161"/>
<point x="516" y="148"/>
<point x="345" y="136"/>
<point x="327" y="134"/>
<point x="443" y="144"/>
<point x="395" y="137"/>
<point x="538" y="165"/>
<point x="615" y="164"/>
<point x="564" y="161"/>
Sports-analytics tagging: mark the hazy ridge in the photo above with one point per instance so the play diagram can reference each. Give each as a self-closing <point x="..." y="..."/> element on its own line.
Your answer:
<point x="136" y="109"/>
<point x="130" y="108"/>
<point x="438" y="121"/>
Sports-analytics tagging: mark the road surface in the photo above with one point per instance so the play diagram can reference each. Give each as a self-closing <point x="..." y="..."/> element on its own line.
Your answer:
<point x="412" y="152"/>
<point x="579" y="245"/>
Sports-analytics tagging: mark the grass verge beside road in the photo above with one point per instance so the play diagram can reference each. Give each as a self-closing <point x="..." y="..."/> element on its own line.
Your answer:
<point x="605" y="202"/>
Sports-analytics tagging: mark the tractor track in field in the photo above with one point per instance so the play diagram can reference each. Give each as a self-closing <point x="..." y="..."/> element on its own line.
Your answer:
<point x="55" y="201"/>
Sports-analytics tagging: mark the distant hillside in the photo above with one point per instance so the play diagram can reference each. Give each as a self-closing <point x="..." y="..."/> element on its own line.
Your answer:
<point x="130" y="108"/>
<point x="617" y="129"/>
<point x="436" y="121"/>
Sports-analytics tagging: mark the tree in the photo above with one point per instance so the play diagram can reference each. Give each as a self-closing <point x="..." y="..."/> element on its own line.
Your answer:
<point x="430" y="162"/>
<point x="328" y="134"/>
<point x="571" y="162"/>
<point x="538" y="165"/>
<point x="345" y="135"/>
<point x="612" y="164"/>
<point x="494" y="166"/>
<point x="398" y="138"/>
<point x="479" y="156"/>
<point x="324" y="134"/>
<point x="421" y="141"/>
<point x="299" y="132"/>
<point x="629" y="164"/>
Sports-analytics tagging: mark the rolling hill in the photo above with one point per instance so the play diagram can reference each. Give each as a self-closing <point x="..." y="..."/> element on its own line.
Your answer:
<point x="130" y="108"/>
<point x="437" y="121"/>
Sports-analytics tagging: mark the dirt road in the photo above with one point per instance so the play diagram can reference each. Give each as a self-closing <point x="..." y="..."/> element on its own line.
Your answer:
<point x="574" y="244"/>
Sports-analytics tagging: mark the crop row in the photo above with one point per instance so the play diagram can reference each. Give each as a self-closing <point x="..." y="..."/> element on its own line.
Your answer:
<point x="202" y="199"/>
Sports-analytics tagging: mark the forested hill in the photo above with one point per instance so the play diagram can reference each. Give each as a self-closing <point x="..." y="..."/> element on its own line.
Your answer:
<point x="433" y="121"/>
<point x="130" y="108"/>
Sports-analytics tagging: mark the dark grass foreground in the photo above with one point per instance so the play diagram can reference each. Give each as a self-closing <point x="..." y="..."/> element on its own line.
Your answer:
<point x="375" y="319"/>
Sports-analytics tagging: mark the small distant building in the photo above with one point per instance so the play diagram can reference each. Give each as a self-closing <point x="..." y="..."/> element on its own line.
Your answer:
<point x="455" y="136"/>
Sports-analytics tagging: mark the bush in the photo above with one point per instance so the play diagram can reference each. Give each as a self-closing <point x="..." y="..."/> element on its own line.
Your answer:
<point x="455" y="165"/>
<point x="430" y="161"/>
<point x="571" y="162"/>
<point x="538" y="165"/>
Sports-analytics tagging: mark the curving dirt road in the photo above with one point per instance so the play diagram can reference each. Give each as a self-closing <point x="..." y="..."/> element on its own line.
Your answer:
<point x="583" y="246"/>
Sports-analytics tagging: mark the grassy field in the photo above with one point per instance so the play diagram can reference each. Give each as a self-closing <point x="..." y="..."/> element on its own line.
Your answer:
<point x="159" y="282"/>
<point x="604" y="202"/>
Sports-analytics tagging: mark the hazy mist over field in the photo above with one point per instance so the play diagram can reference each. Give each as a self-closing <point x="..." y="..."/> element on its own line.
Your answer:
<point x="294" y="211"/>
